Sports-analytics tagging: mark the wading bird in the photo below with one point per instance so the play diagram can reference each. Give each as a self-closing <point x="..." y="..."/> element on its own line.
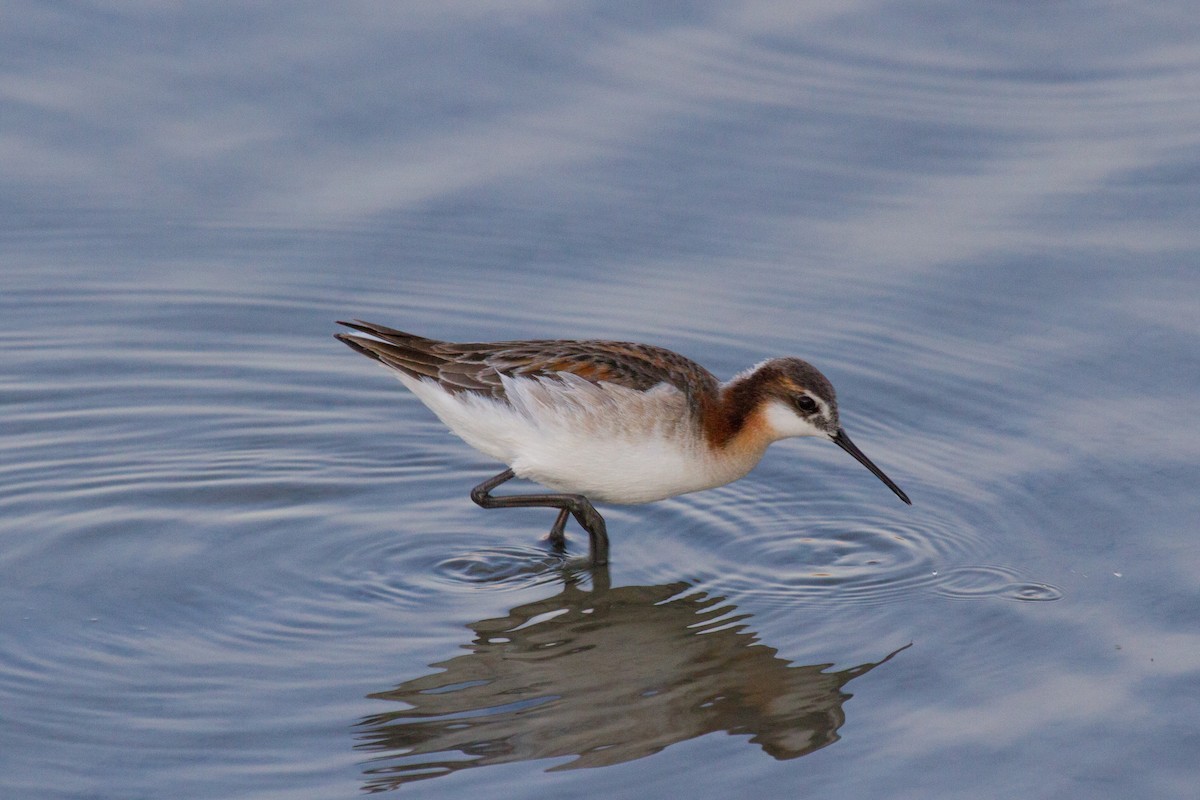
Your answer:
<point x="609" y="421"/>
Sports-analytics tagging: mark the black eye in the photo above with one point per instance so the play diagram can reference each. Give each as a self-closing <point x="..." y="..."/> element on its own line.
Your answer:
<point x="806" y="404"/>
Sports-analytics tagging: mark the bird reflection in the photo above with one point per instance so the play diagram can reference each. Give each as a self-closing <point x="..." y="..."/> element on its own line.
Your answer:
<point x="607" y="676"/>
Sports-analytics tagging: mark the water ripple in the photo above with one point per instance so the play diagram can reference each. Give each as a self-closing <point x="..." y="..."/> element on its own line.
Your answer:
<point x="770" y="544"/>
<point x="507" y="567"/>
<point x="968" y="583"/>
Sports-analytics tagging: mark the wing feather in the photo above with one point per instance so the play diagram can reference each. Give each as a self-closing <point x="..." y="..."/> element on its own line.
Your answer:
<point x="478" y="366"/>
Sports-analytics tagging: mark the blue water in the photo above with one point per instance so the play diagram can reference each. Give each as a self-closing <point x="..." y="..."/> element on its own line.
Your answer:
<point x="239" y="560"/>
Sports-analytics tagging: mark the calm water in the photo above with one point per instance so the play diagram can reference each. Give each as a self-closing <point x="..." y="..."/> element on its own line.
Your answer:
<point x="238" y="560"/>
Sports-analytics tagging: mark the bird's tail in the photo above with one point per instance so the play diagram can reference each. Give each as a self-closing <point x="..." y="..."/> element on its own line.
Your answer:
<point x="411" y="354"/>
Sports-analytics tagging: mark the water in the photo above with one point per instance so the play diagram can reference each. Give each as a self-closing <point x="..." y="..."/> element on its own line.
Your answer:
<point x="238" y="560"/>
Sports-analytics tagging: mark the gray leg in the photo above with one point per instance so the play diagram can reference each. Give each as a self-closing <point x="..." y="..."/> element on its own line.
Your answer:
<point x="558" y="536"/>
<point x="575" y="504"/>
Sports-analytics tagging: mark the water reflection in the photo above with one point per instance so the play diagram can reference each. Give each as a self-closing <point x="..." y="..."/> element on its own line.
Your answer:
<point x="607" y="675"/>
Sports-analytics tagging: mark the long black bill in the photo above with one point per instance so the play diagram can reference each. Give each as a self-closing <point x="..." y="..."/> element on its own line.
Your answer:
<point x="843" y="441"/>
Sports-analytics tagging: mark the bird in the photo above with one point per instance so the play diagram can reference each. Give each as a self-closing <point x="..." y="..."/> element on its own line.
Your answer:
<point x="606" y="421"/>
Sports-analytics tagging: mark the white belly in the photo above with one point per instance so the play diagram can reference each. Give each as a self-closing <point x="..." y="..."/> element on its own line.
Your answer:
<point x="604" y="441"/>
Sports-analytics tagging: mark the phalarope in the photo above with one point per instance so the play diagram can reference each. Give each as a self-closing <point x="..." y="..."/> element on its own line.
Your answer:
<point x="610" y="421"/>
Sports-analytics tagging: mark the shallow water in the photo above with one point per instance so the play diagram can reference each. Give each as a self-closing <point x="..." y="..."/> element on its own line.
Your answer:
<point x="238" y="560"/>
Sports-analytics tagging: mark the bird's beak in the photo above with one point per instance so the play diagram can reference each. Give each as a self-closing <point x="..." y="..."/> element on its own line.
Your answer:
<point x="843" y="441"/>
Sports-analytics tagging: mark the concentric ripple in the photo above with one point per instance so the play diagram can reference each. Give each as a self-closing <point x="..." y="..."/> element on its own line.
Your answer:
<point x="508" y="567"/>
<point x="968" y="583"/>
<point x="786" y="549"/>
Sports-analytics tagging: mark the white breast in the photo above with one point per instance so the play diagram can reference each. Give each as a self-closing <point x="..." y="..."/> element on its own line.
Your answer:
<point x="605" y="441"/>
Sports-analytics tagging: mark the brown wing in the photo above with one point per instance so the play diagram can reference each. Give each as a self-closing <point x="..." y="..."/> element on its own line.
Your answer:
<point x="477" y="367"/>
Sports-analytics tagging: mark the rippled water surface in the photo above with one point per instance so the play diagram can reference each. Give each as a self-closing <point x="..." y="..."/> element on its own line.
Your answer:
<point x="239" y="560"/>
